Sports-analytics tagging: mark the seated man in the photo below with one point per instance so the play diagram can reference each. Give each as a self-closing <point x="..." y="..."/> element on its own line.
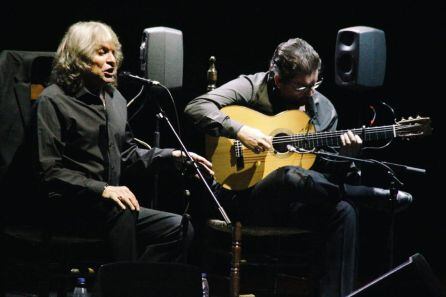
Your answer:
<point x="318" y="199"/>
<point x="83" y="144"/>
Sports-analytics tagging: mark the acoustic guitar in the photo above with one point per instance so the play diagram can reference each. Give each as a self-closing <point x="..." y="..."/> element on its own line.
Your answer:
<point x="238" y="168"/>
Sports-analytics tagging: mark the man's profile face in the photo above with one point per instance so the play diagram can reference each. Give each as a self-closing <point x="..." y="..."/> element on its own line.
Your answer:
<point x="103" y="66"/>
<point x="299" y="89"/>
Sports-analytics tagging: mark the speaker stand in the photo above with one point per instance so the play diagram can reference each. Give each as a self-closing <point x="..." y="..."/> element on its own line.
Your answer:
<point x="393" y="198"/>
<point x="157" y="142"/>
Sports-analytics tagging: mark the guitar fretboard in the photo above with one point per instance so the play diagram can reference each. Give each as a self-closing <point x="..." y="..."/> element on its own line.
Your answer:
<point x="332" y="138"/>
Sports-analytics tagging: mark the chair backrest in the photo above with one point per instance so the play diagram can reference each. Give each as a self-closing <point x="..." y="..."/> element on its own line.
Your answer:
<point x="23" y="74"/>
<point x="19" y="70"/>
<point x="134" y="279"/>
<point x="212" y="75"/>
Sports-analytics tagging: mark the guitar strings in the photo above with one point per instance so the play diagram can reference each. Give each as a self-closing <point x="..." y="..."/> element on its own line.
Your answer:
<point x="336" y="133"/>
<point x="248" y="155"/>
<point x="331" y="134"/>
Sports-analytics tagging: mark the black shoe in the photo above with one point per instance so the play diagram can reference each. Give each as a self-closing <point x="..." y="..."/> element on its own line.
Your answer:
<point x="383" y="202"/>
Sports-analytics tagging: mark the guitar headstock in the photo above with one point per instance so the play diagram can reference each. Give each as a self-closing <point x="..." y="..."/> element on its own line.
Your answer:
<point x="413" y="127"/>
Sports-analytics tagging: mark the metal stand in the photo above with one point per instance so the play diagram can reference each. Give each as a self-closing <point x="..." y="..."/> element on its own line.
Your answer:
<point x="154" y="201"/>
<point x="394" y="185"/>
<point x="161" y="116"/>
<point x="393" y="189"/>
<point x="194" y="165"/>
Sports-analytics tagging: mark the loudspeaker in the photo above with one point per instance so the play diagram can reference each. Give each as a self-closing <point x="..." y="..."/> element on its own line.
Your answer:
<point x="412" y="278"/>
<point x="360" y="57"/>
<point x="161" y="56"/>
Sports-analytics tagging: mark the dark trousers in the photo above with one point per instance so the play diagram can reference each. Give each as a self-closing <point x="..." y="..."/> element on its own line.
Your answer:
<point x="148" y="235"/>
<point x="292" y="196"/>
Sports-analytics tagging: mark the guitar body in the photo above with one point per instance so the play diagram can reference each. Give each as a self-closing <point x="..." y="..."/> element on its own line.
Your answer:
<point x="238" y="168"/>
<point x="241" y="172"/>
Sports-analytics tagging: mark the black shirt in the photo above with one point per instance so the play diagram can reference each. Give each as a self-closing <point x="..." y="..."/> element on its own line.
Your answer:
<point x="83" y="144"/>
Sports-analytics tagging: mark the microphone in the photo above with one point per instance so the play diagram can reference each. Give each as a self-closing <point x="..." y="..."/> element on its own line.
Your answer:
<point x="406" y="168"/>
<point x="128" y="75"/>
<point x="299" y="150"/>
<point x="291" y="148"/>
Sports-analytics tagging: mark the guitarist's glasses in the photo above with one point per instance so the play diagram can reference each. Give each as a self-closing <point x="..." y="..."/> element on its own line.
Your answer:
<point x="309" y="88"/>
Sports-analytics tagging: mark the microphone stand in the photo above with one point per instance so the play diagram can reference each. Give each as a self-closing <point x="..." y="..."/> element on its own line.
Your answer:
<point x="190" y="161"/>
<point x="394" y="185"/>
<point x="161" y="115"/>
<point x="156" y="143"/>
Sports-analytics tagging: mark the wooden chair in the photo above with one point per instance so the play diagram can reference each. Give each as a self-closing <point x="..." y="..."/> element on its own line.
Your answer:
<point x="269" y="260"/>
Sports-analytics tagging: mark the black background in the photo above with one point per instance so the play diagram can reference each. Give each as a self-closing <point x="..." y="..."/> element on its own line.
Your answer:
<point x="243" y="37"/>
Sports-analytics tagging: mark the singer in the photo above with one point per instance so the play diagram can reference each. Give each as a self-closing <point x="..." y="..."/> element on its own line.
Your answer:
<point x="84" y="147"/>
<point x="320" y="199"/>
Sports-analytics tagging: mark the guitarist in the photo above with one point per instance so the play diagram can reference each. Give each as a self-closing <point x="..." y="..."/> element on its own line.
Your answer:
<point x="322" y="199"/>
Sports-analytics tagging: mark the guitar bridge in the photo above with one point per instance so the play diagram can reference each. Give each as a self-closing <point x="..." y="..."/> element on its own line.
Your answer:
<point x="238" y="151"/>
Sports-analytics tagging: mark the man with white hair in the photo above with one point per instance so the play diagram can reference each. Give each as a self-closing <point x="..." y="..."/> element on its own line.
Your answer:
<point x="84" y="144"/>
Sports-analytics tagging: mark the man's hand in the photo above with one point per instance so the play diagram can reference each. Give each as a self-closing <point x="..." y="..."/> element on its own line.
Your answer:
<point x="122" y="196"/>
<point x="351" y="144"/>
<point x="202" y="162"/>
<point x="254" y="139"/>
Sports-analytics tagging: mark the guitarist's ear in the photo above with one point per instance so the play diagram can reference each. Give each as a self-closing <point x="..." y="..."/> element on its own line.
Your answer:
<point x="277" y="80"/>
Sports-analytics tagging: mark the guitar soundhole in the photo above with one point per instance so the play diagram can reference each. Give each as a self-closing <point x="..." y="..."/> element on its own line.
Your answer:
<point x="280" y="143"/>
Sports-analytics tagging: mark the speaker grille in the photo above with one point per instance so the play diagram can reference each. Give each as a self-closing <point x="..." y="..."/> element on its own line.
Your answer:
<point x="360" y="57"/>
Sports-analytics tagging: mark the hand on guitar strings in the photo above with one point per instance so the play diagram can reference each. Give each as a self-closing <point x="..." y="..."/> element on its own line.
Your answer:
<point x="254" y="139"/>
<point x="351" y="144"/>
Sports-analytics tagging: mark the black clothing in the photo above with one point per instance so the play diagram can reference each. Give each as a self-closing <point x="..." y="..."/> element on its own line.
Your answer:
<point x="84" y="144"/>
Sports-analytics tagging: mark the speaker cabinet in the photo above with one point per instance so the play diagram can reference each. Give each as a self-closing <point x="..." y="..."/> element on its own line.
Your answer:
<point x="412" y="278"/>
<point x="360" y="57"/>
<point x="161" y="55"/>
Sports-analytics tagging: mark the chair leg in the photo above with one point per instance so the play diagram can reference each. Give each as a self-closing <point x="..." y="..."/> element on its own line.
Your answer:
<point x="236" y="256"/>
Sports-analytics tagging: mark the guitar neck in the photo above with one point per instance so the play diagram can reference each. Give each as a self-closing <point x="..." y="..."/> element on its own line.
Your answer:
<point x="332" y="138"/>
